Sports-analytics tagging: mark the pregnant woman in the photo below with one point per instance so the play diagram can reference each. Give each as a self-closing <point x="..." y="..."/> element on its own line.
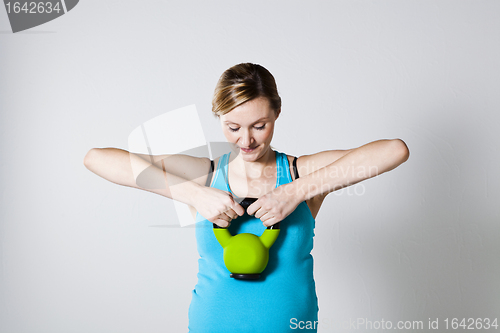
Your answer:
<point x="290" y="190"/>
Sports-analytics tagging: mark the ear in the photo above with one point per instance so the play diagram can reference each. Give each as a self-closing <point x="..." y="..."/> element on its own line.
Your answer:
<point x="278" y="113"/>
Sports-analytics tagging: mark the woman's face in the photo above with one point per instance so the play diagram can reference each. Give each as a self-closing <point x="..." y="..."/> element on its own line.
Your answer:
<point x="250" y="127"/>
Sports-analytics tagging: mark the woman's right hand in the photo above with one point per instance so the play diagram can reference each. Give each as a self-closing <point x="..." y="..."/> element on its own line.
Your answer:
<point x="217" y="206"/>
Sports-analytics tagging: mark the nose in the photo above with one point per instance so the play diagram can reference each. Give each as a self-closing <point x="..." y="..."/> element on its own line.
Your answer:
<point x="246" y="138"/>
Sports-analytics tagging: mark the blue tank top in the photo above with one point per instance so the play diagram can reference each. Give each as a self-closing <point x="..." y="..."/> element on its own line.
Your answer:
<point x="285" y="293"/>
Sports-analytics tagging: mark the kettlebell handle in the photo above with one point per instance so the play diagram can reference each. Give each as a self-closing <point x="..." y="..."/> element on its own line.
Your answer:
<point x="245" y="203"/>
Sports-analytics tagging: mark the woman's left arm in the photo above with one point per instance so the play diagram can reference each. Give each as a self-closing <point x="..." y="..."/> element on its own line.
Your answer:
<point x="358" y="164"/>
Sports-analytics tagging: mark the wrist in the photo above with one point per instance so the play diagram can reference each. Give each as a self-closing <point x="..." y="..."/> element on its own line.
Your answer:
<point x="308" y="187"/>
<point x="298" y="189"/>
<point x="194" y="192"/>
<point x="183" y="190"/>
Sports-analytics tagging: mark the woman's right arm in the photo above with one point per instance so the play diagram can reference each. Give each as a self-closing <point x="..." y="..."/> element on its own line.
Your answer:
<point x="178" y="177"/>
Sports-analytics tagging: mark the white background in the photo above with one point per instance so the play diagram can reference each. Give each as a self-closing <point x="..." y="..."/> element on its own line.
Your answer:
<point x="80" y="254"/>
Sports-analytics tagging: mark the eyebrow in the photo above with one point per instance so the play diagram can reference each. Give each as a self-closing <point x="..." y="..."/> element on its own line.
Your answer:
<point x="259" y="120"/>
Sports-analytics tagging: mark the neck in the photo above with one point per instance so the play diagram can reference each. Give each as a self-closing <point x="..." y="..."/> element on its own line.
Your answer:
<point x="260" y="168"/>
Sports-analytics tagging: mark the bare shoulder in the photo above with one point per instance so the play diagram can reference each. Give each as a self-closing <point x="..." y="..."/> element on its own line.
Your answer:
<point x="307" y="164"/>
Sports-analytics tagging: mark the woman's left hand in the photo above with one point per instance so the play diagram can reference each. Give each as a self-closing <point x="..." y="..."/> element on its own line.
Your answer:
<point x="276" y="205"/>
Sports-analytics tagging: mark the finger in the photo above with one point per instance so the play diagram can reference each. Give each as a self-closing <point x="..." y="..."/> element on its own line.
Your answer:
<point x="232" y="214"/>
<point x="223" y="216"/>
<point x="265" y="217"/>
<point x="222" y="223"/>
<point x="253" y="208"/>
<point x="260" y="212"/>
<point x="238" y="209"/>
<point x="269" y="222"/>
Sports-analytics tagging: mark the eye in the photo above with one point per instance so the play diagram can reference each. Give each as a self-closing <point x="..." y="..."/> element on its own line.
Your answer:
<point x="236" y="129"/>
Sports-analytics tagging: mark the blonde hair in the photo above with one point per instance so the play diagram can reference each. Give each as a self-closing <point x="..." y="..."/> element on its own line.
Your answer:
<point x="242" y="83"/>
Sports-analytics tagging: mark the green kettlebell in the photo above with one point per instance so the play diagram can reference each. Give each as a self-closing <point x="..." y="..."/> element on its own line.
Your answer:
<point x="246" y="255"/>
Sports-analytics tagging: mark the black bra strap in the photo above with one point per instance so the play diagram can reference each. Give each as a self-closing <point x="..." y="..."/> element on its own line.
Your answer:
<point x="210" y="173"/>
<point x="295" y="168"/>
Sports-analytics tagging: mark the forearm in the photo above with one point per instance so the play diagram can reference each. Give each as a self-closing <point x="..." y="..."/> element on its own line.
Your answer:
<point x="362" y="163"/>
<point x="127" y="169"/>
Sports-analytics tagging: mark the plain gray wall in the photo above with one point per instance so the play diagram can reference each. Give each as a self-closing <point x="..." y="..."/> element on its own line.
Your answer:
<point x="80" y="254"/>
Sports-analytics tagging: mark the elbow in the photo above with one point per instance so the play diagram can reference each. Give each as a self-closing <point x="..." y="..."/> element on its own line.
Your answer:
<point x="400" y="150"/>
<point x="89" y="157"/>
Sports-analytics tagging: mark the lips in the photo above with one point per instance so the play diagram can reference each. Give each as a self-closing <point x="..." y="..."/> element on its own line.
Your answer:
<point x="247" y="150"/>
